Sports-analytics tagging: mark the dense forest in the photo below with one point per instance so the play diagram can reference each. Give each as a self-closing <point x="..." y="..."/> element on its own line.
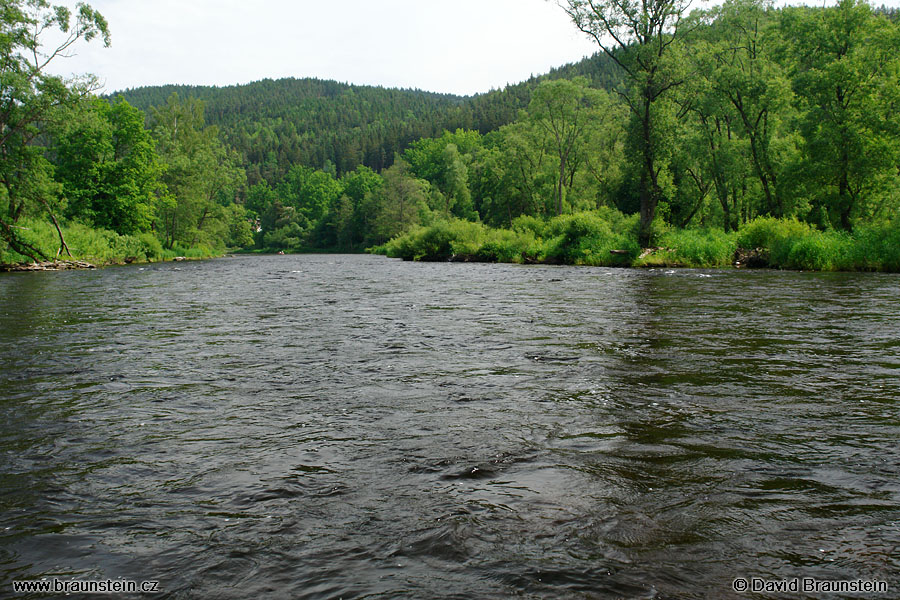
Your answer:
<point x="275" y="125"/>
<point x="739" y="133"/>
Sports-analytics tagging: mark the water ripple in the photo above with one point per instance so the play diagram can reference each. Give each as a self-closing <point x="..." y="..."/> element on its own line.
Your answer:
<point x="352" y="426"/>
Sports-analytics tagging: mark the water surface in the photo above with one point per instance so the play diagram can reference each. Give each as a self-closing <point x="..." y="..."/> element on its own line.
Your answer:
<point x="354" y="426"/>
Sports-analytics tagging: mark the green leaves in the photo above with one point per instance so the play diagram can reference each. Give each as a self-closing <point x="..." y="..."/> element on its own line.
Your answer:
<point x="29" y="97"/>
<point x="108" y="165"/>
<point x="845" y="74"/>
<point x="201" y="173"/>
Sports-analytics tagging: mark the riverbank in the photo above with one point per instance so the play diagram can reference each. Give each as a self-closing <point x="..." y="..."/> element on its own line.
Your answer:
<point x="608" y="238"/>
<point x="74" y="265"/>
<point x="54" y="265"/>
<point x="90" y="248"/>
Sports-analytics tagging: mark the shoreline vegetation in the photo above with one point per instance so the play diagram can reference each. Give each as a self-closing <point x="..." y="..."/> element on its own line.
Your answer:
<point x="739" y="135"/>
<point x="602" y="238"/>
<point x="90" y="248"/>
<point x="609" y="239"/>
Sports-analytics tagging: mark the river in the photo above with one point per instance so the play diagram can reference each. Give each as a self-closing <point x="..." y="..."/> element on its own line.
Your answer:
<point x="353" y="426"/>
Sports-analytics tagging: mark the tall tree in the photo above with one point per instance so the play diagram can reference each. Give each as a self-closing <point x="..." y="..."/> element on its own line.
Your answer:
<point x="107" y="163"/>
<point x="401" y="202"/>
<point x="562" y="109"/>
<point x="200" y="170"/>
<point x="578" y="124"/>
<point x="638" y="35"/>
<point x="845" y="65"/>
<point x="741" y="69"/>
<point x="29" y="97"/>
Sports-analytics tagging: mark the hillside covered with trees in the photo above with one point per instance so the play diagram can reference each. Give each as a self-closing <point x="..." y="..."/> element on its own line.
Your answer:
<point x="275" y="125"/>
<point x="738" y="129"/>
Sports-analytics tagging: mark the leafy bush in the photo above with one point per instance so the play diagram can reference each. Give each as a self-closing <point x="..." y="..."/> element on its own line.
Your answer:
<point x="877" y="248"/>
<point x="763" y="232"/>
<point x="38" y="234"/>
<point x="151" y="247"/>
<point x="820" y="252"/>
<point x="699" y="248"/>
<point x="98" y="246"/>
<point x="587" y="239"/>
<point x="795" y="245"/>
<point x="443" y="240"/>
<point x="508" y="246"/>
<point x="528" y="223"/>
<point x="289" y="237"/>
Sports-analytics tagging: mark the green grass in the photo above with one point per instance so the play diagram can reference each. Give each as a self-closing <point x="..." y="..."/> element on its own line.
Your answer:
<point x="699" y="248"/>
<point x="97" y="246"/>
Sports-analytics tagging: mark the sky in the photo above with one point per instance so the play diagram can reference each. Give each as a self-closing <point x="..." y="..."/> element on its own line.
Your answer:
<point x="459" y="46"/>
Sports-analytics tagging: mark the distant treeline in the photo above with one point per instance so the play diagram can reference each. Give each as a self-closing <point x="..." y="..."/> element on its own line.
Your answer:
<point x="276" y="125"/>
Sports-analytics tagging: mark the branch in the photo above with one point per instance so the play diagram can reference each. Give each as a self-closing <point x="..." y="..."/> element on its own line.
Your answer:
<point x="62" y="240"/>
<point x="18" y="245"/>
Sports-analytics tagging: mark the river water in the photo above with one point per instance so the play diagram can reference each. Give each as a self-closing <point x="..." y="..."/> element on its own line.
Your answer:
<point x="355" y="426"/>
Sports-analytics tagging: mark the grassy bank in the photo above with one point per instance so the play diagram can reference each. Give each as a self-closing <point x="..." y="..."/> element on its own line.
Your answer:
<point x="609" y="238"/>
<point x="97" y="246"/>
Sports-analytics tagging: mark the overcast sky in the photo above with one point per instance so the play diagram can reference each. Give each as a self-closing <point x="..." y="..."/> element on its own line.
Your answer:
<point x="456" y="46"/>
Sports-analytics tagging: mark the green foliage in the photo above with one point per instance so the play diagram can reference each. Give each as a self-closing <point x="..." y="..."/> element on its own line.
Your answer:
<point x="644" y="39"/>
<point x="108" y="166"/>
<point x="769" y="232"/>
<point x="876" y="248"/>
<point x="202" y="176"/>
<point x="194" y="252"/>
<point x="699" y="248"/>
<point x="791" y="244"/>
<point x="583" y="238"/>
<point x="426" y="243"/>
<point x="460" y="240"/>
<point x="32" y="34"/>
<point x="845" y="73"/>
<point x="503" y="245"/>
<point x="97" y="246"/>
<point x="777" y="125"/>
<point x="38" y="234"/>
<point x="276" y="125"/>
<point x="151" y="247"/>
<point x="529" y="223"/>
<point x="586" y="239"/>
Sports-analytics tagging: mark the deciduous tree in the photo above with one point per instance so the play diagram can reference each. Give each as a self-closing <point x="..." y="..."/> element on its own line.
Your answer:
<point x="639" y="36"/>
<point x="29" y="97"/>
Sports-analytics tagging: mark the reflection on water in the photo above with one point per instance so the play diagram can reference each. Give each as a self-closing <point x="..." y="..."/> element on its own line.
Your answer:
<point x="352" y="426"/>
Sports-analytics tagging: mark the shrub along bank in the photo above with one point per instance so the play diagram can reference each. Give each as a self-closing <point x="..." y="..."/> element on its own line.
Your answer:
<point x="609" y="238"/>
<point x="97" y="246"/>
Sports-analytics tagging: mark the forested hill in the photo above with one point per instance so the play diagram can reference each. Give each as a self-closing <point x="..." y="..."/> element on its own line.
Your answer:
<point x="329" y="125"/>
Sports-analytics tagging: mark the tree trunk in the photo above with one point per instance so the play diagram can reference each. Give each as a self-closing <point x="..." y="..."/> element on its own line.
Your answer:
<point x="18" y="245"/>
<point x="62" y="240"/>
<point x="648" y="211"/>
<point x="845" y="199"/>
<point x="649" y="186"/>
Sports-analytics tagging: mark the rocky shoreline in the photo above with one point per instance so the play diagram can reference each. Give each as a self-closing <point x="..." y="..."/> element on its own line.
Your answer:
<point x="54" y="265"/>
